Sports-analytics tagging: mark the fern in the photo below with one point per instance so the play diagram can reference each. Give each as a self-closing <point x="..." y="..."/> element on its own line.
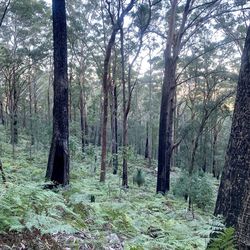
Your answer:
<point x="224" y="241"/>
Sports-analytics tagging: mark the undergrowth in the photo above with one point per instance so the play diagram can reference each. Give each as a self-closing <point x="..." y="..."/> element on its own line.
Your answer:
<point x="140" y="218"/>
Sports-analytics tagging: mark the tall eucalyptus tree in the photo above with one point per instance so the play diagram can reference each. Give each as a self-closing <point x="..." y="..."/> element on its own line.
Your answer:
<point x="58" y="162"/>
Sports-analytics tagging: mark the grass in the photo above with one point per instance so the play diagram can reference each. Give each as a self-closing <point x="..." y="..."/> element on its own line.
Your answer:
<point x="131" y="219"/>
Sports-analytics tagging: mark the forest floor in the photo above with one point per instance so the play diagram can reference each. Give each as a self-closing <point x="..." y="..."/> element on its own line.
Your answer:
<point x="133" y="219"/>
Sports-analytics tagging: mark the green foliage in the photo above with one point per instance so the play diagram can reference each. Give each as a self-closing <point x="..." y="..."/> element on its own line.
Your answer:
<point x="224" y="240"/>
<point x="28" y="206"/>
<point x="197" y="187"/>
<point x="144" y="220"/>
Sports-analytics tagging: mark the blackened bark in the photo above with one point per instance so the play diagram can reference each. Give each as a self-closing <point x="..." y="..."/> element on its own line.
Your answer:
<point x="83" y="118"/>
<point x="114" y="126"/>
<point x="125" y="117"/>
<point x="146" y="155"/>
<point x="233" y="196"/>
<point x="167" y="106"/>
<point x="82" y="121"/>
<point x="58" y="162"/>
<point x="32" y="140"/>
<point x="172" y="51"/>
<point x="215" y="170"/>
<point x="1" y="113"/>
<point x="165" y="126"/>
<point x="14" y="106"/>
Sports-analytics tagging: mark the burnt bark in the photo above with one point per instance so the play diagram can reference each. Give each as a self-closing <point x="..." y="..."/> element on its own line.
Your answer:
<point x="174" y="45"/>
<point x="14" y="106"/>
<point x="83" y="119"/>
<point x="165" y="126"/>
<point x="215" y="170"/>
<point x="125" y="117"/>
<point x="233" y="196"/>
<point x="58" y="162"/>
<point x="113" y="118"/>
<point x="146" y="154"/>
<point x="32" y="139"/>
<point x="1" y="113"/>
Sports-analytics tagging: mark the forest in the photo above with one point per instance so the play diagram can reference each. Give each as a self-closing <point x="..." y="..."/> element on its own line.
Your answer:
<point x="125" y="124"/>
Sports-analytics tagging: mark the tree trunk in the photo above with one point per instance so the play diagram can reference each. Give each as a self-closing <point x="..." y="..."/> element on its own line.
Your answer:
<point x="113" y="122"/>
<point x="105" y="86"/>
<point x="13" y="113"/>
<point x="32" y="141"/>
<point x="165" y="126"/>
<point x="167" y="107"/>
<point x="215" y="171"/>
<point x="233" y="197"/>
<point x="58" y="162"/>
<point x="70" y="93"/>
<point x="146" y="154"/>
<point x="83" y="119"/>
<point x="14" y="118"/>
<point x="171" y="54"/>
<point x="1" y="113"/>
<point x="150" y="122"/>
<point x="125" y="117"/>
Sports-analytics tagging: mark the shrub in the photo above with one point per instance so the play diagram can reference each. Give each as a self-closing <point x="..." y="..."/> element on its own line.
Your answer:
<point x="197" y="187"/>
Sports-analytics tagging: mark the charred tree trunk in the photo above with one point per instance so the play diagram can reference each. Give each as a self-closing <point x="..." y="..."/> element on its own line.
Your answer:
<point x="171" y="54"/>
<point x="233" y="197"/>
<point x="125" y="117"/>
<point x="167" y="106"/>
<point x="1" y="113"/>
<point x="82" y="121"/>
<point x="32" y="140"/>
<point x="14" y="106"/>
<point x="150" y="122"/>
<point x="83" y="118"/>
<point x="215" y="171"/>
<point x="165" y="126"/>
<point x="113" y="122"/>
<point x="58" y="162"/>
<point x="146" y="155"/>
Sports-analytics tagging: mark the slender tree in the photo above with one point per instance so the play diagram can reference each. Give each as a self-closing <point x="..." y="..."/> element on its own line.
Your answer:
<point x="58" y="162"/>
<point x="105" y="82"/>
<point x="233" y="199"/>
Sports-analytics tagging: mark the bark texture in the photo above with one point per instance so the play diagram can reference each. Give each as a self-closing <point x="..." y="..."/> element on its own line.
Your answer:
<point x="233" y="198"/>
<point x="58" y="163"/>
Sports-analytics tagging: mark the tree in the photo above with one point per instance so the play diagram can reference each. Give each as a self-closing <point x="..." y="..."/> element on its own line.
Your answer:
<point x="116" y="26"/>
<point x="171" y="53"/>
<point x="58" y="162"/>
<point x="6" y="6"/>
<point x="21" y="50"/>
<point x="233" y="199"/>
<point x="185" y="20"/>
